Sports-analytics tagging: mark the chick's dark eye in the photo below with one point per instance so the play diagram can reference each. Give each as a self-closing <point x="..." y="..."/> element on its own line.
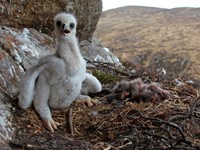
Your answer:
<point x="72" y="25"/>
<point x="58" y="23"/>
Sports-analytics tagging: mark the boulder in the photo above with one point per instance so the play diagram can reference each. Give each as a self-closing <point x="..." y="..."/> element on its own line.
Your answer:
<point x="39" y="15"/>
<point x="94" y="50"/>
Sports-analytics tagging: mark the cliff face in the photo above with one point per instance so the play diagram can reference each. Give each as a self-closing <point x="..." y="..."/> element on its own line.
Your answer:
<point x="39" y="14"/>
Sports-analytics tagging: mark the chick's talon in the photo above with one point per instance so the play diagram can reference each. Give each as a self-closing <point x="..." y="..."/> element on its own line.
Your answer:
<point x="51" y="125"/>
<point x="88" y="101"/>
<point x="92" y="102"/>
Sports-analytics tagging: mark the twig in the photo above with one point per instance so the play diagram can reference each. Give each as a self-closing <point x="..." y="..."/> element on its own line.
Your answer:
<point x="70" y="124"/>
<point x="186" y="93"/>
<point x="192" y="109"/>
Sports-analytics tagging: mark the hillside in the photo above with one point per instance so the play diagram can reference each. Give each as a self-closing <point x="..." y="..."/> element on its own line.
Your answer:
<point x="161" y="38"/>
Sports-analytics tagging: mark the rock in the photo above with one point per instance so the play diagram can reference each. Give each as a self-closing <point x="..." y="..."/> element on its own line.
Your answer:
<point x="94" y="50"/>
<point x="6" y="130"/>
<point x="39" y="15"/>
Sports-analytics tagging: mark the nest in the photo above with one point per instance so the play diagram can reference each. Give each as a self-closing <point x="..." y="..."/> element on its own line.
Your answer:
<point x="172" y="123"/>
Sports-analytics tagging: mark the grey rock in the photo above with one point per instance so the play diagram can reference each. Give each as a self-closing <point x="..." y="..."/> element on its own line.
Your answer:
<point x="94" y="50"/>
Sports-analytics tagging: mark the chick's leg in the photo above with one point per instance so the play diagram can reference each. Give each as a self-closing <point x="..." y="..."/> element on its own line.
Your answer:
<point x="90" y="85"/>
<point x="42" y="93"/>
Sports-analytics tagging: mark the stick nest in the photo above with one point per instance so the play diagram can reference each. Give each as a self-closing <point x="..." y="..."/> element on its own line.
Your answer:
<point x="172" y="123"/>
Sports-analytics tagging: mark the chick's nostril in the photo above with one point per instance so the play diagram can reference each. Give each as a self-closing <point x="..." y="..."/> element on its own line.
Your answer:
<point x="64" y="27"/>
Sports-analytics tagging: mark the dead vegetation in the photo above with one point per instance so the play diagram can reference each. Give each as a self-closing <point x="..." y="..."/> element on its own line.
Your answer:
<point x="172" y="123"/>
<point x="167" y="38"/>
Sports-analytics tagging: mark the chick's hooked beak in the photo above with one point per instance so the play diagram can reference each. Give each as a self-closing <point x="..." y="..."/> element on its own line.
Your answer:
<point x="65" y="29"/>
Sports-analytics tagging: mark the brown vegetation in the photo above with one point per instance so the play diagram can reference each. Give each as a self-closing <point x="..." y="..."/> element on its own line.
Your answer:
<point x="161" y="38"/>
